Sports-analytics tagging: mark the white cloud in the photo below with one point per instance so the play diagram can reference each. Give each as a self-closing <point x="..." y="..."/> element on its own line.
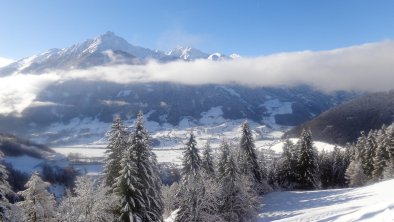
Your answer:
<point x="5" y="61"/>
<point x="17" y="92"/>
<point x="368" y="67"/>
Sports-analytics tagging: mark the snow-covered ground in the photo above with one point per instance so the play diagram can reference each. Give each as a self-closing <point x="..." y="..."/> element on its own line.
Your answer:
<point x="373" y="203"/>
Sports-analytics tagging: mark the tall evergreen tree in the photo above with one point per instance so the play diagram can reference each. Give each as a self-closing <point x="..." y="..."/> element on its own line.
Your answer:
<point x="207" y="160"/>
<point x="286" y="166"/>
<point x="224" y="155"/>
<point x="340" y="164"/>
<point x="355" y="174"/>
<point x="326" y="170"/>
<point x="248" y="157"/>
<point x="198" y="192"/>
<point x="138" y="184"/>
<point x="39" y="204"/>
<point x="191" y="163"/>
<point x="240" y="199"/>
<point x="381" y="158"/>
<point x="390" y="144"/>
<point x="369" y="153"/>
<point x="307" y="167"/>
<point x="4" y="189"/>
<point x="117" y="137"/>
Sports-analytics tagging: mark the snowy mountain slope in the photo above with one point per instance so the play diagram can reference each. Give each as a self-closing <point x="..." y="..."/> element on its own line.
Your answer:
<point x="106" y="49"/>
<point x="187" y="53"/>
<point x="343" y="123"/>
<point x="84" y="110"/>
<point x="371" y="203"/>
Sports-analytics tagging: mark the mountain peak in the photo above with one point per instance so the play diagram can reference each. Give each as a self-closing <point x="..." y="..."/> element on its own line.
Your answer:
<point x="187" y="53"/>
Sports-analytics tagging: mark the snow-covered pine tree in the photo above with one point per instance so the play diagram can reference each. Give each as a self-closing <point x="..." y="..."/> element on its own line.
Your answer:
<point x="307" y="166"/>
<point x="381" y="158"/>
<point x="223" y="158"/>
<point x="4" y="189"/>
<point x="240" y="199"/>
<point x="138" y="184"/>
<point x="198" y="194"/>
<point x="326" y="173"/>
<point x="390" y="144"/>
<point x="191" y="163"/>
<point x="248" y="158"/>
<point x="117" y="138"/>
<point x="340" y="164"/>
<point x="369" y="153"/>
<point x="355" y="174"/>
<point x="286" y="166"/>
<point x="39" y="204"/>
<point x="92" y="202"/>
<point x="128" y="188"/>
<point x="207" y="160"/>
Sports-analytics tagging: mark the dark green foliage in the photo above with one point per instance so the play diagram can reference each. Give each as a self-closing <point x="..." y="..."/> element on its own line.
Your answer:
<point x="207" y="160"/>
<point x="248" y="162"/>
<point x="307" y="166"/>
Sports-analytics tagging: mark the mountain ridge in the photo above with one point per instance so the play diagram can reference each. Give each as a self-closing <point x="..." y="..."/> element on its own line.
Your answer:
<point x="106" y="49"/>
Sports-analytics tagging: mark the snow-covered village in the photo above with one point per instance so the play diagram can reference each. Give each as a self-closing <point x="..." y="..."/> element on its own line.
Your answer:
<point x="196" y="111"/>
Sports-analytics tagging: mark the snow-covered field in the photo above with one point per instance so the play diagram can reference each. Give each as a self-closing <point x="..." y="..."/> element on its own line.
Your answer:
<point x="373" y="203"/>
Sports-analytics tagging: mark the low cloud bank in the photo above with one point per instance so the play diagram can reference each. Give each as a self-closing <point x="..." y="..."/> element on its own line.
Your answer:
<point x="368" y="67"/>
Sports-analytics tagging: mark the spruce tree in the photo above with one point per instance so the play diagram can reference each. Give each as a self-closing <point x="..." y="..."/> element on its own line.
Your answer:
<point x="117" y="137"/>
<point x="191" y="163"/>
<point x="224" y="155"/>
<point x="286" y="166"/>
<point x="138" y="184"/>
<point x="390" y="144"/>
<point x="381" y="158"/>
<point x="307" y="167"/>
<point x="248" y="158"/>
<point x="340" y="164"/>
<point x="240" y="198"/>
<point x="39" y="204"/>
<point x="198" y="192"/>
<point x="369" y="153"/>
<point x="207" y="160"/>
<point x="355" y="174"/>
<point x="4" y="189"/>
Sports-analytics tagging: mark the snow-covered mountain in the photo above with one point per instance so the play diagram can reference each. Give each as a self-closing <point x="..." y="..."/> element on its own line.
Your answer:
<point x="82" y="110"/>
<point x="187" y="53"/>
<point x="74" y="111"/>
<point x="106" y="49"/>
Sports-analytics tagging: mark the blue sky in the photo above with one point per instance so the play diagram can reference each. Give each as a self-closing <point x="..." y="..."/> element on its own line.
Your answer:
<point x="250" y="28"/>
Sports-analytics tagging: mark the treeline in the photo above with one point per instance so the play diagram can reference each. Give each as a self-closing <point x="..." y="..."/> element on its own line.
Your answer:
<point x="372" y="157"/>
<point x="226" y="188"/>
<point x="224" y="184"/>
<point x="221" y="187"/>
<point x="301" y="166"/>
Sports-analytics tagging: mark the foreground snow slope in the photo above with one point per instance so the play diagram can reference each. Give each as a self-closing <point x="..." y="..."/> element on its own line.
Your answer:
<point x="371" y="203"/>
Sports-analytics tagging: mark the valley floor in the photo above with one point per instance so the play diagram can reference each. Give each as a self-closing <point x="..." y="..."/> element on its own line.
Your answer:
<point x="373" y="203"/>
